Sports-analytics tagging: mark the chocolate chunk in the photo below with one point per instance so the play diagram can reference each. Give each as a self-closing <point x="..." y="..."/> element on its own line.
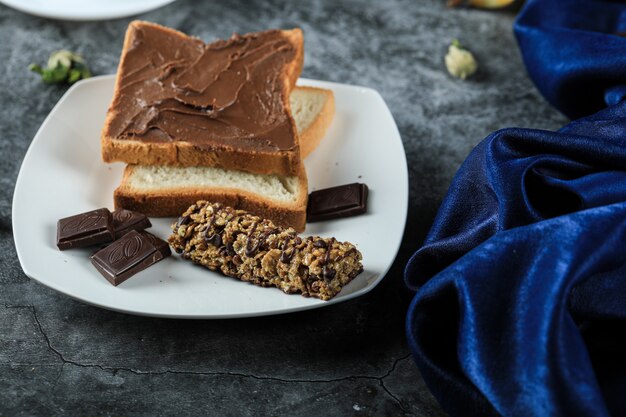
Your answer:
<point x="319" y="243"/>
<point x="336" y="202"/>
<point x="125" y="220"/>
<point x="182" y="221"/>
<point x="85" y="229"/>
<point x="287" y="255"/>
<point x="160" y="245"/>
<point x="133" y="253"/>
<point x="215" y="239"/>
<point x="328" y="273"/>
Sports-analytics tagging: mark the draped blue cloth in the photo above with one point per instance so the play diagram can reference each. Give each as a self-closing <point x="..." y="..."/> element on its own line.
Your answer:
<point x="520" y="307"/>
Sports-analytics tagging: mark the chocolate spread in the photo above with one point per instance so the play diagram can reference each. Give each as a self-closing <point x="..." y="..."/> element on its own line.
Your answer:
<point x="226" y="93"/>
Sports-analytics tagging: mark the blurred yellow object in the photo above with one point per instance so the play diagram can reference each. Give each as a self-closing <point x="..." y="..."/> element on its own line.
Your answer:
<point x="482" y="4"/>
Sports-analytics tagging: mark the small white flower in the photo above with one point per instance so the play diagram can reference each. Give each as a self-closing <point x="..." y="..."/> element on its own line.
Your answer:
<point x="459" y="61"/>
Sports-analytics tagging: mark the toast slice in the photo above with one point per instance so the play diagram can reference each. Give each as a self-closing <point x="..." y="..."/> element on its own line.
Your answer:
<point x="313" y="110"/>
<point x="162" y="191"/>
<point x="167" y="191"/>
<point x="179" y="101"/>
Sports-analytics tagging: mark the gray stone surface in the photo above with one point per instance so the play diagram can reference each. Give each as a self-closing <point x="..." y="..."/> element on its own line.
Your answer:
<point x="58" y="356"/>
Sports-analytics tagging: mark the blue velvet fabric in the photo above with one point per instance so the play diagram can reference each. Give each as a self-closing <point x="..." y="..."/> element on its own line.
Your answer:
<point x="573" y="52"/>
<point x="520" y="307"/>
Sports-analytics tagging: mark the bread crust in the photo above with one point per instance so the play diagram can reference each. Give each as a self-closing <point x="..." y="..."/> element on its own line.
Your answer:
<point x="171" y="202"/>
<point x="180" y="153"/>
<point x="311" y="137"/>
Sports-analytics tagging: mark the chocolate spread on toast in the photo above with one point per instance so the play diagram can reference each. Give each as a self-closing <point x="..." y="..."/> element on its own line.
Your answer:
<point x="226" y="93"/>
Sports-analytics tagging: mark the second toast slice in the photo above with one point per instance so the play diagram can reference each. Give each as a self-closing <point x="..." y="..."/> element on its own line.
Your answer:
<point x="159" y="191"/>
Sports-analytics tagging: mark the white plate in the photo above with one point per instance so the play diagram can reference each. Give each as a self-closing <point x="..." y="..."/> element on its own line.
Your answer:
<point x="62" y="174"/>
<point x="84" y="9"/>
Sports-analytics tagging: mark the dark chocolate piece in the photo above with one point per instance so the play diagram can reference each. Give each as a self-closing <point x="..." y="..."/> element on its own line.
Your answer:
<point x="125" y="220"/>
<point x="85" y="229"/>
<point x="336" y="202"/>
<point x="160" y="245"/>
<point x="125" y="257"/>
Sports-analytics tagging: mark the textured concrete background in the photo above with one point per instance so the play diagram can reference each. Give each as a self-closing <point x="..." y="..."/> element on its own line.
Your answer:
<point x="58" y="356"/>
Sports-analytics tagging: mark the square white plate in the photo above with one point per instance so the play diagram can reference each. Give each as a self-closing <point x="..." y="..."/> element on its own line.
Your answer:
<point x="62" y="174"/>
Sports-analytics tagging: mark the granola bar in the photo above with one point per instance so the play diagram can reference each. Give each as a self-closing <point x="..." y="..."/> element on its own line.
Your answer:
<point x="253" y="249"/>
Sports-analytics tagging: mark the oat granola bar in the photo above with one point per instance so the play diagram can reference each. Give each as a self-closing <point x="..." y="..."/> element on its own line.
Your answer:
<point x="253" y="249"/>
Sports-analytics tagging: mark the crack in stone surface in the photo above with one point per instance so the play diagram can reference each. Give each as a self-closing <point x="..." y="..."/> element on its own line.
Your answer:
<point x="115" y="370"/>
<point x="396" y="399"/>
<point x="56" y="381"/>
<point x="384" y="387"/>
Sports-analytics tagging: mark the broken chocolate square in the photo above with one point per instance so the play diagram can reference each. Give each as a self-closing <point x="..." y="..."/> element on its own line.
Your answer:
<point x="125" y="220"/>
<point x="132" y="253"/>
<point x="85" y="229"/>
<point x="336" y="202"/>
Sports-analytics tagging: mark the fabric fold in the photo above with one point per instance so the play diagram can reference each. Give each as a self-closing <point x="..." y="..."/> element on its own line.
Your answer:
<point x="574" y="52"/>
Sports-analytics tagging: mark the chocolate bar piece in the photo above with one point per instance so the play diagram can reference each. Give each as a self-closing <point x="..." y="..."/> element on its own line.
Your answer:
<point x="132" y="253"/>
<point x="162" y="246"/>
<point x="336" y="202"/>
<point x="125" y="220"/>
<point x="85" y="229"/>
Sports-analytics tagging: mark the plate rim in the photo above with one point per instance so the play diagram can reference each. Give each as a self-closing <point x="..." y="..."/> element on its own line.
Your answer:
<point x="77" y="17"/>
<point x="356" y="294"/>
